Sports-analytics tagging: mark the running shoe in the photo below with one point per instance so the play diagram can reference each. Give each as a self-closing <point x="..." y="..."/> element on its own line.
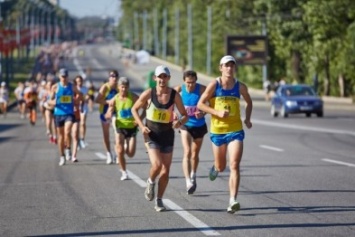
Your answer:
<point x="159" y="206"/>
<point x="55" y="140"/>
<point x="109" y="158"/>
<point x="192" y="188"/>
<point x="124" y="176"/>
<point x="82" y="144"/>
<point x="149" y="191"/>
<point x="67" y="154"/>
<point x="233" y="207"/>
<point x="62" y="161"/>
<point x="74" y="160"/>
<point x="213" y="173"/>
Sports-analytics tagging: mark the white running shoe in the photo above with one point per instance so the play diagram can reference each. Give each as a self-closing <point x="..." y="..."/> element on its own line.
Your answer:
<point x="67" y="154"/>
<point x="124" y="175"/>
<point x="233" y="207"/>
<point x="159" y="206"/>
<point x="109" y="158"/>
<point x="62" y="161"/>
<point x="82" y="144"/>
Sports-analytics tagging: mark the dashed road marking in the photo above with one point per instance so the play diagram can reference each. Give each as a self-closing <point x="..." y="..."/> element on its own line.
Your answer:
<point x="339" y="162"/>
<point x="271" y="148"/>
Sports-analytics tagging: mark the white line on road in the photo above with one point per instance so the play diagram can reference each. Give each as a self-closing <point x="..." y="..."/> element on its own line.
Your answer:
<point x="205" y="229"/>
<point x="339" y="162"/>
<point x="271" y="148"/>
<point x="100" y="155"/>
<point x="305" y="128"/>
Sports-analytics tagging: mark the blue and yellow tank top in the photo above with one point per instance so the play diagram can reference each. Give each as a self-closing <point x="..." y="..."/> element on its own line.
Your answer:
<point x="64" y="100"/>
<point x="124" y="117"/>
<point x="190" y="100"/>
<point x="159" y="117"/>
<point x="226" y="100"/>
<point x="110" y="93"/>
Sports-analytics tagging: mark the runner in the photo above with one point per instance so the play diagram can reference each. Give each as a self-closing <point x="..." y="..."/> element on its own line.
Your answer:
<point x="19" y="93"/>
<point x="227" y="134"/>
<point x="159" y="131"/>
<point x="193" y="131"/>
<point x="107" y="91"/>
<point x="31" y="99"/>
<point x="41" y="91"/>
<point x="49" y="111"/>
<point x="62" y="97"/>
<point x="126" y="127"/>
<point x="91" y="94"/>
<point x="4" y="99"/>
<point x="83" y="111"/>
<point x="78" y="102"/>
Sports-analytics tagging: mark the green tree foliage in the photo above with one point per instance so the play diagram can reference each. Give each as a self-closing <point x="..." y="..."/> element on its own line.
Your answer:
<point x="306" y="37"/>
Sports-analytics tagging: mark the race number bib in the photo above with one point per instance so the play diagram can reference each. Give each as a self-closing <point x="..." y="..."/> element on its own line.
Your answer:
<point x="161" y="116"/>
<point x="226" y="103"/>
<point x="65" y="99"/>
<point x="191" y="110"/>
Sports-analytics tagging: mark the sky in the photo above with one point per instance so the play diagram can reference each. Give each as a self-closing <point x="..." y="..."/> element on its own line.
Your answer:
<point x="81" y="8"/>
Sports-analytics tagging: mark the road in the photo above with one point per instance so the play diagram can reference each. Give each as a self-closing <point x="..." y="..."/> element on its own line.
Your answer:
<point x="297" y="177"/>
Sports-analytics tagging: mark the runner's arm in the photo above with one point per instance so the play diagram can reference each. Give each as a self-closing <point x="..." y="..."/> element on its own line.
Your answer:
<point x="100" y="96"/>
<point x="243" y="89"/>
<point x="141" y="104"/>
<point x="183" y="114"/>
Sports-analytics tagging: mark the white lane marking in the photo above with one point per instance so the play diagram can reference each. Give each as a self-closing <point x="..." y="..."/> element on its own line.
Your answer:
<point x="136" y="179"/>
<point x="339" y="162"/>
<point x="271" y="148"/>
<point x="205" y="229"/>
<point x="100" y="155"/>
<point x="305" y="128"/>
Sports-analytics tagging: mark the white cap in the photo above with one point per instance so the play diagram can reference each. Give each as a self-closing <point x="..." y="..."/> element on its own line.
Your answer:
<point x="160" y="70"/>
<point x="3" y="83"/>
<point x="226" y="59"/>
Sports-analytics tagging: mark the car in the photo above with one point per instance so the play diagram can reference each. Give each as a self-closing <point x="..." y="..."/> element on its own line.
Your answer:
<point x="296" y="99"/>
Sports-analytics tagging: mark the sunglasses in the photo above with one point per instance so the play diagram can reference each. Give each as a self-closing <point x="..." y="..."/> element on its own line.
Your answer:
<point x="163" y="76"/>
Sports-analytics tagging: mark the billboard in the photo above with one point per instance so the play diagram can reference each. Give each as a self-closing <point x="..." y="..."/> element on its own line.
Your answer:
<point x="248" y="50"/>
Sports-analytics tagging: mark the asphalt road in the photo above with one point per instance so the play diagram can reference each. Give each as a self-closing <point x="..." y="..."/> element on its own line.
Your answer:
<point x="297" y="177"/>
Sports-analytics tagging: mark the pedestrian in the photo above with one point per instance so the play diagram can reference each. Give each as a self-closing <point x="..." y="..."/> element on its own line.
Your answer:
<point x="62" y="98"/>
<point x="267" y="89"/>
<point x="194" y="130"/>
<point x="158" y="130"/>
<point x="126" y="127"/>
<point x="221" y="99"/>
<point x="107" y="91"/>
